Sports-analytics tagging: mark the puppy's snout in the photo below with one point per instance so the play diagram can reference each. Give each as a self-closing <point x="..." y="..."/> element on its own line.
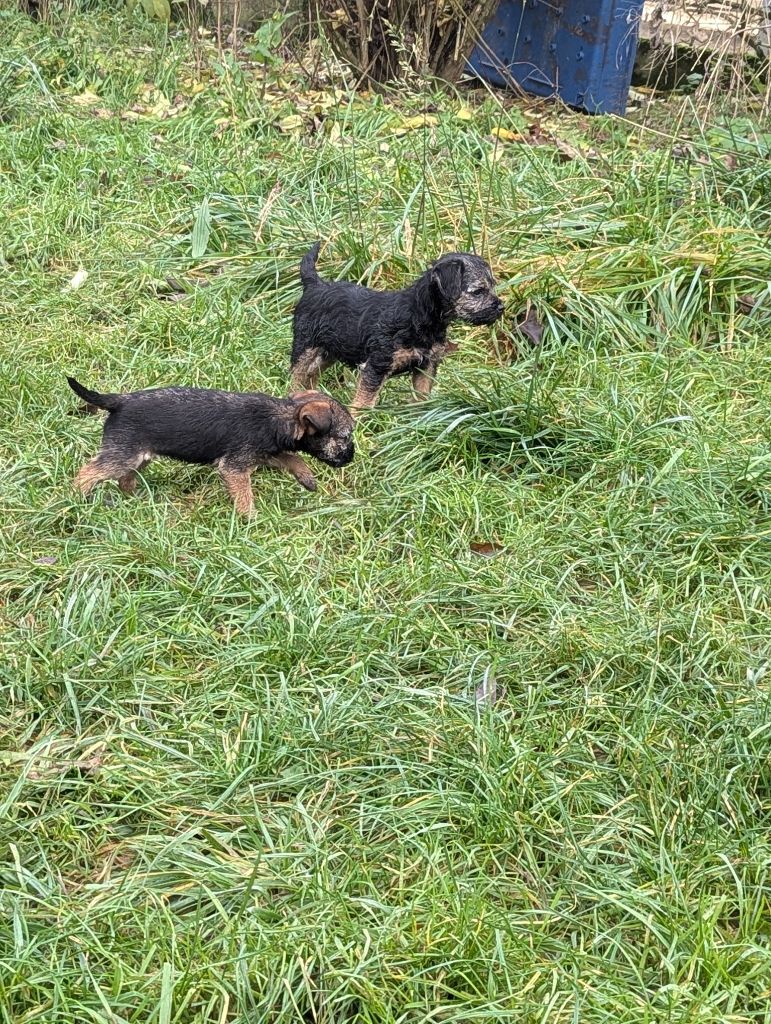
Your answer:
<point x="338" y="459"/>
<point x="344" y="458"/>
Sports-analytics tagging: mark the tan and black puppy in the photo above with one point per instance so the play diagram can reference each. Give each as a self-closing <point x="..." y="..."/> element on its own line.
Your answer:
<point x="234" y="431"/>
<point x="384" y="333"/>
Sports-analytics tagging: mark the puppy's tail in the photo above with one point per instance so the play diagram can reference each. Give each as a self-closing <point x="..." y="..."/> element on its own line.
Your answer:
<point x="308" y="273"/>
<point x="108" y="402"/>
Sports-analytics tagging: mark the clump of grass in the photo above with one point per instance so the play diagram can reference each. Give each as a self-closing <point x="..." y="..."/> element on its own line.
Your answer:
<point x="246" y="775"/>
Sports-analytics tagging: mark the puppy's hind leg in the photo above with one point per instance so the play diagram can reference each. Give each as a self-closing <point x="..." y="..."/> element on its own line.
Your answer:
<point x="128" y="482"/>
<point x="109" y="465"/>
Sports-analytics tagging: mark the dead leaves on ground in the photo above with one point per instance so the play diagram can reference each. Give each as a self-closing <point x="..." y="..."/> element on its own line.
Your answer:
<point x="151" y="103"/>
<point x="410" y="124"/>
<point x="488" y="693"/>
<point x="485" y="548"/>
<point x="537" y="134"/>
<point x="746" y="303"/>
<point x="528" y="325"/>
<point x="531" y="326"/>
<point x="57" y="759"/>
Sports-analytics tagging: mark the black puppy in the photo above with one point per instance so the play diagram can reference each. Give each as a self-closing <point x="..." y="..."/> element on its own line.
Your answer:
<point x="234" y="431"/>
<point x="385" y="333"/>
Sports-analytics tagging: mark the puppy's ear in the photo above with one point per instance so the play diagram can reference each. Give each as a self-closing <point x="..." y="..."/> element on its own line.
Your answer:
<point x="447" y="276"/>
<point x="315" y="416"/>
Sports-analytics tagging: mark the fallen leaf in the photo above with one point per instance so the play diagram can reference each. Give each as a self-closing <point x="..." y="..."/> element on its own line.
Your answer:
<point x="159" y="9"/>
<point x="567" y="151"/>
<point x="160" y="108"/>
<point x="485" y="548"/>
<point x="531" y="326"/>
<point x="746" y="303"/>
<point x="76" y="281"/>
<point x="487" y="692"/>
<point x="292" y="124"/>
<point x="730" y="162"/>
<point x="464" y="114"/>
<point x="317" y="101"/>
<point x="504" y="135"/>
<point x="47" y="560"/>
<point x="171" y="289"/>
<point x="86" y="99"/>
<point x="338" y="18"/>
<point x="409" y="124"/>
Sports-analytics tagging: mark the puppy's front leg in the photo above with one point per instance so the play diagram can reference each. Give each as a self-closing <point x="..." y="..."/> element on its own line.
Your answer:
<point x="371" y="381"/>
<point x="238" y="484"/>
<point x="423" y="381"/>
<point x="295" y="465"/>
<point x="307" y="368"/>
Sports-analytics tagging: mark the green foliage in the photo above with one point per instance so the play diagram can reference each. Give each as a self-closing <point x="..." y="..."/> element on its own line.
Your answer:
<point x="245" y="774"/>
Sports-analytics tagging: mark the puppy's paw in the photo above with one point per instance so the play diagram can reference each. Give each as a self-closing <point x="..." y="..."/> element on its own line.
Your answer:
<point x="308" y="481"/>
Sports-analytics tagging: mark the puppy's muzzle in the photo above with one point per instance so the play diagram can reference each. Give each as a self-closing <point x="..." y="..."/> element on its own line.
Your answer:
<point x="495" y="312"/>
<point x="341" y="459"/>
<point x="488" y="315"/>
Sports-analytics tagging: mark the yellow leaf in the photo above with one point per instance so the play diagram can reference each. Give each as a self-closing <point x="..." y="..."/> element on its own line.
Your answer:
<point x="86" y="99"/>
<point x="192" y="86"/>
<point x="292" y="124"/>
<point x="507" y="136"/>
<point x="319" y="101"/>
<point x="464" y="114"/>
<point x="157" y="9"/>
<point x="160" y="107"/>
<point x="418" y="121"/>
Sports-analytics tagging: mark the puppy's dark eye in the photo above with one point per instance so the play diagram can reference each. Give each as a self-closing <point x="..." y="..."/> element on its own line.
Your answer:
<point x="477" y="291"/>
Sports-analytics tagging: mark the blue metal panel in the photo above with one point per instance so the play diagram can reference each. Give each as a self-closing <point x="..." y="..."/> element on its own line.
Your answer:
<point x="580" y="50"/>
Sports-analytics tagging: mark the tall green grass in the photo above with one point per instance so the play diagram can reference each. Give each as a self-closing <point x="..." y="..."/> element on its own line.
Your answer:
<point x="247" y="773"/>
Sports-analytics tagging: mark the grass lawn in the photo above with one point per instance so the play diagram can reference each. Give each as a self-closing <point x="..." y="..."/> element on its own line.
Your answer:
<point x="247" y="775"/>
